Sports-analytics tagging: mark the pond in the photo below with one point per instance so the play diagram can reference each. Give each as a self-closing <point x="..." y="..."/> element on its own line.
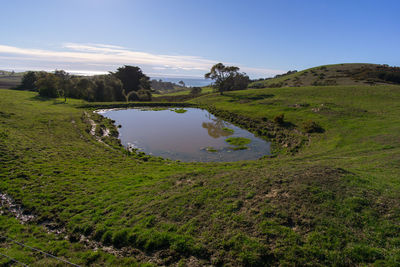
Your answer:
<point x="189" y="134"/>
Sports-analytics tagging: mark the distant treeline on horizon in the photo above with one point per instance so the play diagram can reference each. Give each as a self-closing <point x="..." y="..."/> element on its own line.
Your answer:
<point x="127" y="83"/>
<point x="100" y="87"/>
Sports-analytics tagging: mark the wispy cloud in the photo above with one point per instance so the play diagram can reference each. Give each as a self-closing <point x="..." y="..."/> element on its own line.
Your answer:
<point x="97" y="58"/>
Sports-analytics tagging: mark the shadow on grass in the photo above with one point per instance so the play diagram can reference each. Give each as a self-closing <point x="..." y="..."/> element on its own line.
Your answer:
<point x="58" y="102"/>
<point x="40" y="98"/>
<point x="288" y="125"/>
<point x="249" y="98"/>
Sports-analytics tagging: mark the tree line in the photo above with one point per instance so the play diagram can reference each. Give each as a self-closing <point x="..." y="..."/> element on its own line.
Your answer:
<point x="127" y="83"/>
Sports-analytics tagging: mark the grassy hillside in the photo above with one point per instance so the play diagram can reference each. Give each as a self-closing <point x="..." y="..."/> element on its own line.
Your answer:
<point x="334" y="202"/>
<point x="338" y="74"/>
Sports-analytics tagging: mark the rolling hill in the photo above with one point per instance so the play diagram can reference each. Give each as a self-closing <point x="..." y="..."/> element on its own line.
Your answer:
<point x="337" y="74"/>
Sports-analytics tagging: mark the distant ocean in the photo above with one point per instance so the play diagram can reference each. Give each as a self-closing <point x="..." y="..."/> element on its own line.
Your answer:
<point x="188" y="81"/>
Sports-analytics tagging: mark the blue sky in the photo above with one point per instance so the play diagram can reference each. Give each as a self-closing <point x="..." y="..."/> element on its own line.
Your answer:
<point x="185" y="38"/>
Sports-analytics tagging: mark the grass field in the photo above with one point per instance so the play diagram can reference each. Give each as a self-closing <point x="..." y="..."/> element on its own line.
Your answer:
<point x="334" y="202"/>
<point x="206" y="89"/>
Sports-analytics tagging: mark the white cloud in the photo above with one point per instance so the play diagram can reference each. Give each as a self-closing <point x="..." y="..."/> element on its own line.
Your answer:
<point x="98" y="58"/>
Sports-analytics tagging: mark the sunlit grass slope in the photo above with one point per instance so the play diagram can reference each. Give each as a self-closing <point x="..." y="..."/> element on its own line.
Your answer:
<point x="335" y="74"/>
<point x="335" y="202"/>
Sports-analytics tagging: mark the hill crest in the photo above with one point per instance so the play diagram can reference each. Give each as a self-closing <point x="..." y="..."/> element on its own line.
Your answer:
<point x="336" y="74"/>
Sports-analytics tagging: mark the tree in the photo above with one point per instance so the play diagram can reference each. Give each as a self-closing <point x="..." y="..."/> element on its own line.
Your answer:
<point x="28" y="81"/>
<point x="64" y="83"/>
<point x="195" y="90"/>
<point x="133" y="80"/>
<point x="106" y="88"/>
<point x="82" y="88"/>
<point x="128" y="95"/>
<point x="130" y="77"/>
<point x="227" y="78"/>
<point x="182" y="83"/>
<point x="47" y="84"/>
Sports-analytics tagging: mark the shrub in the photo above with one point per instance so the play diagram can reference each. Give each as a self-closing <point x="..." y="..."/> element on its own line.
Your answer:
<point x="195" y="90"/>
<point x="312" y="127"/>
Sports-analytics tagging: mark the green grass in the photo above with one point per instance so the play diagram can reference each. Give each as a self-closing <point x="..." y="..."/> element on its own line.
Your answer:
<point x="335" y="74"/>
<point x="34" y="236"/>
<point x="205" y="89"/>
<point x="335" y="202"/>
<point x="157" y="109"/>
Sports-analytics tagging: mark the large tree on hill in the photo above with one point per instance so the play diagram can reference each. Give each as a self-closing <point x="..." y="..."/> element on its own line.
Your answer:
<point x="227" y="78"/>
<point x="133" y="79"/>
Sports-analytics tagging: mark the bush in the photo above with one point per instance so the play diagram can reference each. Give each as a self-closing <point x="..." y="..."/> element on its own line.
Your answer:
<point x="312" y="127"/>
<point x="279" y="119"/>
<point x="195" y="90"/>
<point x="144" y="95"/>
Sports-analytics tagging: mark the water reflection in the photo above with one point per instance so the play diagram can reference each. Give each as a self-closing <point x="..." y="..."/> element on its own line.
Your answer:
<point x="215" y="128"/>
<point x="183" y="136"/>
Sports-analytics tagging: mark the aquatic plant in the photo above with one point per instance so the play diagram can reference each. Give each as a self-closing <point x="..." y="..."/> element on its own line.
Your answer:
<point x="179" y="110"/>
<point x="238" y="141"/>
<point x="229" y="130"/>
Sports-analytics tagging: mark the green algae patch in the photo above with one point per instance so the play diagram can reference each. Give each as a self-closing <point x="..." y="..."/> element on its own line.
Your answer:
<point x="158" y="109"/>
<point x="229" y="130"/>
<point x="179" y="110"/>
<point x="238" y="141"/>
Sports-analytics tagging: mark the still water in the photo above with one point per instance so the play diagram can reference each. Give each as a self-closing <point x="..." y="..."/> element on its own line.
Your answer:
<point x="195" y="135"/>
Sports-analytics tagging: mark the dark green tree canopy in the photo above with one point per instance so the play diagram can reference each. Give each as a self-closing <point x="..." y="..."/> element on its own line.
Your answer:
<point x="92" y="88"/>
<point x="28" y="81"/>
<point x="47" y="84"/>
<point x="195" y="90"/>
<point x="132" y="78"/>
<point x="227" y="78"/>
